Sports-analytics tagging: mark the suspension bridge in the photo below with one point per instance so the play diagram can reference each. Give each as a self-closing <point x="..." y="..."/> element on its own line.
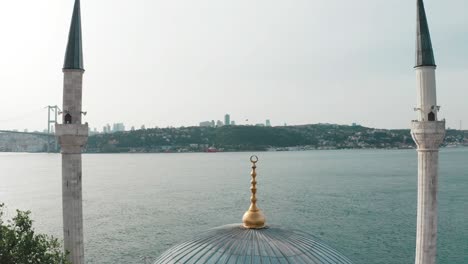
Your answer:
<point x="14" y="140"/>
<point x="41" y="134"/>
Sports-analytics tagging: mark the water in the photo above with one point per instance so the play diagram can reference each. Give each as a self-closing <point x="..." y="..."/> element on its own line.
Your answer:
<point x="135" y="205"/>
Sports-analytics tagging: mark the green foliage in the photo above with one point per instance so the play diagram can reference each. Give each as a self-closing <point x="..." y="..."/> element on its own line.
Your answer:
<point x="19" y="244"/>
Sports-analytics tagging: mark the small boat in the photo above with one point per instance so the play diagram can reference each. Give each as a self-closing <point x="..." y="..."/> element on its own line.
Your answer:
<point x="211" y="150"/>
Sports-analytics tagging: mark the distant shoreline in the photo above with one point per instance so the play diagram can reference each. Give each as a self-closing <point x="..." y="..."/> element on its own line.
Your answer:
<point x="236" y="139"/>
<point x="240" y="151"/>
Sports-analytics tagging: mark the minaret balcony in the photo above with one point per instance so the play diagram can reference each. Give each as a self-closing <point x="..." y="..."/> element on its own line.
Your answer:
<point x="428" y="135"/>
<point x="72" y="137"/>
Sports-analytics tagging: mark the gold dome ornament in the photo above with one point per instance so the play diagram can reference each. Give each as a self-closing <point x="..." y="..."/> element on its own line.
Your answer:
<point x="254" y="217"/>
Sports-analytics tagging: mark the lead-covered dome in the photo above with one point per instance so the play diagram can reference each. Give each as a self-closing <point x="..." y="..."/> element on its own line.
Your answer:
<point x="237" y="244"/>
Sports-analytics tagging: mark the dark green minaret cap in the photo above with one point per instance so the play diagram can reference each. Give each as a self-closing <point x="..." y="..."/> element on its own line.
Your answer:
<point x="74" y="53"/>
<point x="424" y="52"/>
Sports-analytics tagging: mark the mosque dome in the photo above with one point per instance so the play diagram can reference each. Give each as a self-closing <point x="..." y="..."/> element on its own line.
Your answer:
<point x="252" y="242"/>
<point x="237" y="244"/>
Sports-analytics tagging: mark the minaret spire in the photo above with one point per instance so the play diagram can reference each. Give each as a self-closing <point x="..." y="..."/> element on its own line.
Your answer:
<point x="74" y="53"/>
<point x="424" y="52"/>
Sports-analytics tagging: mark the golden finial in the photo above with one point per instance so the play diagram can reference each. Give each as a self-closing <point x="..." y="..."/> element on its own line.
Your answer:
<point x="254" y="218"/>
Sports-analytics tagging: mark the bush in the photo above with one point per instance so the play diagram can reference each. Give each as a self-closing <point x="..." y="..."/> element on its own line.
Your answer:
<point x="19" y="244"/>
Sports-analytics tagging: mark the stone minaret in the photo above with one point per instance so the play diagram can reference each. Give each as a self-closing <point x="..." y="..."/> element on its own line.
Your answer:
<point x="72" y="137"/>
<point x="428" y="133"/>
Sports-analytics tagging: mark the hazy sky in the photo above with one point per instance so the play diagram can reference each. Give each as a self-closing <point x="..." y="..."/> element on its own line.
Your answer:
<point x="179" y="62"/>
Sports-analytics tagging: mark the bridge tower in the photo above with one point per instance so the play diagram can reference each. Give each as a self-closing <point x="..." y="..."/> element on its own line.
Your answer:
<point x="428" y="133"/>
<point x="52" y="119"/>
<point x="73" y="135"/>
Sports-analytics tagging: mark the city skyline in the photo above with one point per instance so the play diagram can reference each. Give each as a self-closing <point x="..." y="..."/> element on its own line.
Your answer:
<point x="171" y="64"/>
<point x="109" y="127"/>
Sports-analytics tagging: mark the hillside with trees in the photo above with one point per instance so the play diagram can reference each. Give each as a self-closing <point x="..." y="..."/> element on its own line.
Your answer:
<point x="248" y="138"/>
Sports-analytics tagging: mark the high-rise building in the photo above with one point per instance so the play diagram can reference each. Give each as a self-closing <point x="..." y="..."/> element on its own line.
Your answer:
<point x="428" y="133"/>
<point x="227" y="120"/>
<point x="92" y="131"/>
<point x="268" y="123"/>
<point x="206" y="124"/>
<point x="219" y="123"/>
<point x="118" y="127"/>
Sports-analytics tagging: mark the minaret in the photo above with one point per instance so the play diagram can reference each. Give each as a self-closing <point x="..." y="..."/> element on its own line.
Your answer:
<point x="428" y="133"/>
<point x="72" y="137"/>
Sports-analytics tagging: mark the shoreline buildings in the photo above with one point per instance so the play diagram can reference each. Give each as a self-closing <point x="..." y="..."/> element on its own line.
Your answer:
<point x="428" y="133"/>
<point x="72" y="136"/>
